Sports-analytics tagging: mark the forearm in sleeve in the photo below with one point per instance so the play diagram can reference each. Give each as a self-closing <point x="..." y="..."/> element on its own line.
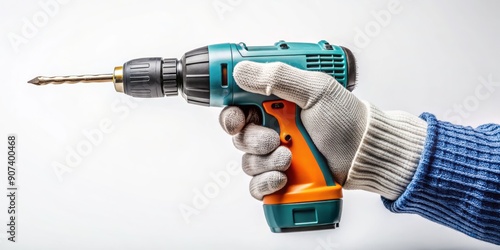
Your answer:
<point x="451" y="175"/>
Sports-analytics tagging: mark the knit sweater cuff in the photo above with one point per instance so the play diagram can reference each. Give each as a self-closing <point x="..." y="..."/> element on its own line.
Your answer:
<point x="388" y="154"/>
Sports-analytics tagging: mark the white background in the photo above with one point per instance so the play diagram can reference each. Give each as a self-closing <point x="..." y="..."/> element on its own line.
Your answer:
<point x="126" y="192"/>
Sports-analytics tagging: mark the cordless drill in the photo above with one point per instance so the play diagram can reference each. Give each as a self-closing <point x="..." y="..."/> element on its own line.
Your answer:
<point x="311" y="198"/>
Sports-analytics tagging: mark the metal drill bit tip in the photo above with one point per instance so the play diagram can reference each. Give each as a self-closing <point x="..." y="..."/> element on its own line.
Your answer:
<point x="34" y="81"/>
<point x="44" y="80"/>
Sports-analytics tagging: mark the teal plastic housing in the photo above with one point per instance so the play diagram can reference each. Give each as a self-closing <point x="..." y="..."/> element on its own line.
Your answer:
<point x="284" y="218"/>
<point x="321" y="56"/>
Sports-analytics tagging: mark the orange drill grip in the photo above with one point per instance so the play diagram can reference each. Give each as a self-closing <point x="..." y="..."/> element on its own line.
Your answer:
<point x="307" y="181"/>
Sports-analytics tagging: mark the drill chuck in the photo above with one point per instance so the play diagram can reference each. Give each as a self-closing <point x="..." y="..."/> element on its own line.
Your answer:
<point x="159" y="77"/>
<point x="143" y="77"/>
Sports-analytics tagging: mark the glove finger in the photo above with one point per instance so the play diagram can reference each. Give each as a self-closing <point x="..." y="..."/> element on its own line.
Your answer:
<point x="267" y="183"/>
<point x="232" y="118"/>
<point x="278" y="160"/>
<point x="302" y="87"/>
<point x="257" y="140"/>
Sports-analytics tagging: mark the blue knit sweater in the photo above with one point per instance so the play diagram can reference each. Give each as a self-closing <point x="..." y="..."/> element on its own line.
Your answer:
<point x="457" y="181"/>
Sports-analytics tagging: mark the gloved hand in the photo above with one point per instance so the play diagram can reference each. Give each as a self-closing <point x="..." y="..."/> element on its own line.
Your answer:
<point x="336" y="121"/>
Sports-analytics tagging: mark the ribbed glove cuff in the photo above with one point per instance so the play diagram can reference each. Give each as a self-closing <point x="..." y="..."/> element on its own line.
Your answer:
<point x="388" y="154"/>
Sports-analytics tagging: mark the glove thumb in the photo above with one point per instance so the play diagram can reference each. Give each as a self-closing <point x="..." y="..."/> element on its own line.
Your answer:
<point x="302" y="87"/>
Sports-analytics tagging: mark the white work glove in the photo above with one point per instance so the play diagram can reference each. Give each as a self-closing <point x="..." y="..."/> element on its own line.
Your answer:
<point x="337" y="122"/>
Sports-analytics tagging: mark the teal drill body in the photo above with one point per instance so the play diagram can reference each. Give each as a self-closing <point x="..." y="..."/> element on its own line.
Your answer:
<point x="321" y="56"/>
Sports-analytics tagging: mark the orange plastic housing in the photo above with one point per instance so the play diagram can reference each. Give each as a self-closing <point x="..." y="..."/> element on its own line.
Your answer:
<point x="305" y="177"/>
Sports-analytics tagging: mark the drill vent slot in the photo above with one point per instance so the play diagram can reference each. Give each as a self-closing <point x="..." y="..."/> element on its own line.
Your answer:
<point x="223" y="73"/>
<point x="333" y="65"/>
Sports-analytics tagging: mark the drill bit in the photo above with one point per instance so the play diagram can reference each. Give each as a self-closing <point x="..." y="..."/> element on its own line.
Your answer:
<point x="116" y="78"/>
<point x="44" y="80"/>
